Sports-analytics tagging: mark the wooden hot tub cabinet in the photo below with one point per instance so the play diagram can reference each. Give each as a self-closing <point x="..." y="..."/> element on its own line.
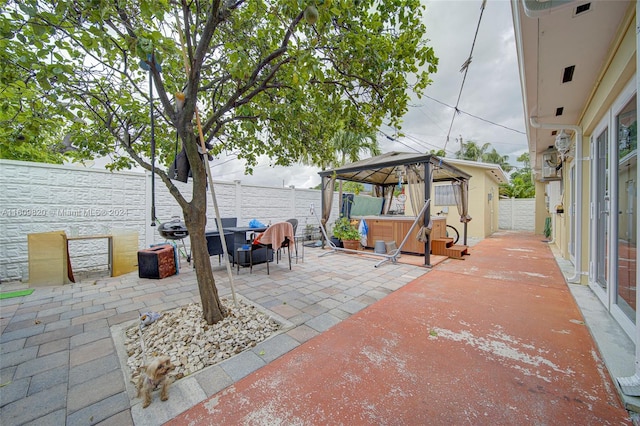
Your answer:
<point x="394" y="228"/>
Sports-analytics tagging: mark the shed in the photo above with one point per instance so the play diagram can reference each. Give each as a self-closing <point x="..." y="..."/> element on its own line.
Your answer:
<point x="484" y="191"/>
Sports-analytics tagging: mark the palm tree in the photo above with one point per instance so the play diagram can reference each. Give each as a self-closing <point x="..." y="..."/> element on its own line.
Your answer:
<point x="348" y="146"/>
<point x="521" y="183"/>
<point x="472" y="151"/>
<point x="494" y="157"/>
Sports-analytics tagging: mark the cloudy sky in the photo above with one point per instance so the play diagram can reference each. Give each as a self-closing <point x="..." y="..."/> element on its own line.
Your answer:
<point x="491" y="93"/>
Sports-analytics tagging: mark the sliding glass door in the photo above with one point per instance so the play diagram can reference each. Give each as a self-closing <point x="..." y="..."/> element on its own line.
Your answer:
<point x="627" y="216"/>
<point x="614" y="215"/>
<point x="601" y="216"/>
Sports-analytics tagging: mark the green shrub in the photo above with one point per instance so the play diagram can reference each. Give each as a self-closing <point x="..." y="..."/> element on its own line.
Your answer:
<point x="345" y="230"/>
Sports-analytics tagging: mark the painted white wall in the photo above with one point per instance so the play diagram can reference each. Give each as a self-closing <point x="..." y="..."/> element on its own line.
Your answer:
<point x="517" y="214"/>
<point x="38" y="197"/>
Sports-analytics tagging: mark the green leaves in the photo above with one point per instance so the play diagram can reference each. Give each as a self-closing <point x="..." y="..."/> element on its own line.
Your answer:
<point x="521" y="183"/>
<point x="264" y="83"/>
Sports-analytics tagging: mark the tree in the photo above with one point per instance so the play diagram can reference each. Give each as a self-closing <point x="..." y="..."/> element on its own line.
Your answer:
<point x="32" y="118"/>
<point x="354" y="187"/>
<point x="471" y="151"/>
<point x="349" y="145"/>
<point x="438" y="153"/>
<point x="249" y="77"/>
<point x="521" y="183"/>
<point x="494" y="157"/>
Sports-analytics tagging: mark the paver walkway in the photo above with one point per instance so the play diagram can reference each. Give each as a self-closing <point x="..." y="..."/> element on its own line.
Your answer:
<point x="59" y="363"/>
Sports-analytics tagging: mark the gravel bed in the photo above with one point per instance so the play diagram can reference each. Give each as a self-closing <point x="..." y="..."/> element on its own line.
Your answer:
<point x="191" y="343"/>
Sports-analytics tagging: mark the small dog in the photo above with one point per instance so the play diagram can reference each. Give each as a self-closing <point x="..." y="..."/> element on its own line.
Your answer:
<point x="155" y="375"/>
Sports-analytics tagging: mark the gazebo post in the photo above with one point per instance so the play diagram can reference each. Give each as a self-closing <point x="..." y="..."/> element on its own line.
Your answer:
<point x="427" y="213"/>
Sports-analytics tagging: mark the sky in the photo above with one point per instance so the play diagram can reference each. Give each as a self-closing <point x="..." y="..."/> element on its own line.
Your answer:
<point x="491" y="92"/>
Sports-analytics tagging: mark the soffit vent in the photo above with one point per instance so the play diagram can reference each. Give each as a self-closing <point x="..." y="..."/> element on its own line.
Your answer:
<point x="559" y="111"/>
<point x="567" y="74"/>
<point x="583" y="8"/>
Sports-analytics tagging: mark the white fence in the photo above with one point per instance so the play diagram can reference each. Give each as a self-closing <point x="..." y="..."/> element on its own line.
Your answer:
<point x="38" y="197"/>
<point x="517" y="214"/>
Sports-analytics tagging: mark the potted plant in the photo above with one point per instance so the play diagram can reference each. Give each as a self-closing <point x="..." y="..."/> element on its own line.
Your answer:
<point x="347" y="232"/>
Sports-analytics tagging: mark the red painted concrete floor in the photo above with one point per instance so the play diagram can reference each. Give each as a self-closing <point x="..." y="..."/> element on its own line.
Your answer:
<point x="494" y="339"/>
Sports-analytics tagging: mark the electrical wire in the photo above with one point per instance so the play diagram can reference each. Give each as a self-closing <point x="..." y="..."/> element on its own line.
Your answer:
<point x="465" y="68"/>
<point x="475" y="116"/>
<point x="426" y="145"/>
<point x="391" y="138"/>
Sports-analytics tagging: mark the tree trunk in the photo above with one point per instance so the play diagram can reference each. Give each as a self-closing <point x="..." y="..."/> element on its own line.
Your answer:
<point x="195" y="217"/>
<point x="211" y="305"/>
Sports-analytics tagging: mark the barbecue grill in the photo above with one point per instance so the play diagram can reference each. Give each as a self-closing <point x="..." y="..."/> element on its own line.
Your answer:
<point x="175" y="230"/>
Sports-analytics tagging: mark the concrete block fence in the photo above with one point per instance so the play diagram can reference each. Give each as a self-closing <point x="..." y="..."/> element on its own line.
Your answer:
<point x="36" y="197"/>
<point x="517" y="214"/>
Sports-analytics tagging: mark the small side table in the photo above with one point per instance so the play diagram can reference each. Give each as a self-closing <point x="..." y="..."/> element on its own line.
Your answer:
<point x="245" y="256"/>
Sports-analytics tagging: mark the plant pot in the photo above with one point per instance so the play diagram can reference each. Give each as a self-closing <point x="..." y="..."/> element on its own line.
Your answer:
<point x="351" y="244"/>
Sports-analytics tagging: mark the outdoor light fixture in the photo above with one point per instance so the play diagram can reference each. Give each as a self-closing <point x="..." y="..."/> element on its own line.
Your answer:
<point x="563" y="143"/>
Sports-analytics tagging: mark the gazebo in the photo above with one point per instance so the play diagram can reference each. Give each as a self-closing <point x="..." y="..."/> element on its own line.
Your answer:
<point x="417" y="171"/>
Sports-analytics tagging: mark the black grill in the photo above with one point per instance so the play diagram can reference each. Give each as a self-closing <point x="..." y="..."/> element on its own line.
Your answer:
<point x="173" y="230"/>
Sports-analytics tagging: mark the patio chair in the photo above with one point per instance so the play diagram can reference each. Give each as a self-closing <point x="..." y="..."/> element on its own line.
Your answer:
<point x="278" y="236"/>
<point x="294" y="224"/>
<point x="229" y="222"/>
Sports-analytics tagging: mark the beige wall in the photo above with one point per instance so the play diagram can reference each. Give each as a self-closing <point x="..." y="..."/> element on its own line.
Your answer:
<point x="483" y="211"/>
<point x="541" y="208"/>
<point x="614" y="78"/>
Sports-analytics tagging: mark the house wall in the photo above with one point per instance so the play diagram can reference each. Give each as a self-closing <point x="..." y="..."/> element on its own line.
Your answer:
<point x="483" y="209"/>
<point x="40" y="197"/>
<point x="616" y="75"/>
<point x="541" y="208"/>
<point x="560" y="221"/>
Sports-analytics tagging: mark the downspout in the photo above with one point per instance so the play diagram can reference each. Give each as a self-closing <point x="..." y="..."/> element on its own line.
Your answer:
<point x="577" y="273"/>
